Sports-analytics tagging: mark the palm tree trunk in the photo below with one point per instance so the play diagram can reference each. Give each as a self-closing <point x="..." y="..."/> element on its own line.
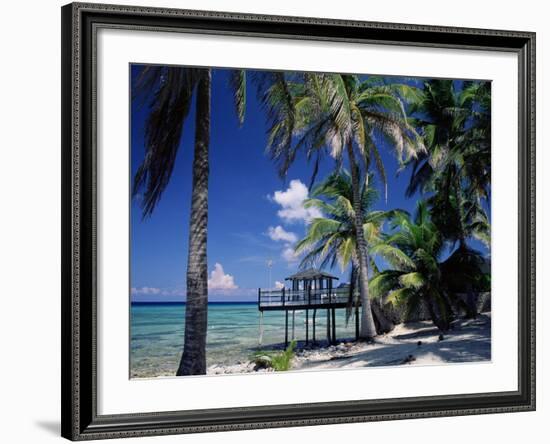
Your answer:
<point x="439" y="312"/>
<point x="193" y="360"/>
<point x="439" y="319"/>
<point x="471" y="309"/>
<point x="383" y="324"/>
<point x="368" y="328"/>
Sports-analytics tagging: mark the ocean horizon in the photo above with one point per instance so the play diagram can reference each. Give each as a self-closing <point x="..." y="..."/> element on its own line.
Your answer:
<point x="185" y="302"/>
<point x="157" y="332"/>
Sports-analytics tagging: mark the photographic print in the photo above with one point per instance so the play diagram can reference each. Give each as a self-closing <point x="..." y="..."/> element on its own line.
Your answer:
<point x="252" y="201"/>
<point x="304" y="221"/>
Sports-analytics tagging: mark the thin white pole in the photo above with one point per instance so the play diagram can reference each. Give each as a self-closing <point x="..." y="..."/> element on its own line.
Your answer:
<point x="293" y="323"/>
<point x="261" y="328"/>
<point x="269" y="265"/>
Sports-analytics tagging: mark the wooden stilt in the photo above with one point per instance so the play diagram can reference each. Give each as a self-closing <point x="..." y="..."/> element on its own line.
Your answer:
<point x="328" y="325"/>
<point x="334" y="326"/>
<point x="314" y="316"/>
<point x="293" y="324"/>
<point x="286" y="328"/>
<point x="307" y="293"/>
<point x="261" y="328"/>
<point x="307" y="326"/>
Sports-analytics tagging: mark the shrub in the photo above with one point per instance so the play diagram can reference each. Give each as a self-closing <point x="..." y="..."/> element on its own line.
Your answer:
<point x="278" y="361"/>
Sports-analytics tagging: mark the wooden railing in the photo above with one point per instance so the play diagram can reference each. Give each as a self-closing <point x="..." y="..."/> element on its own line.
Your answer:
<point x="286" y="297"/>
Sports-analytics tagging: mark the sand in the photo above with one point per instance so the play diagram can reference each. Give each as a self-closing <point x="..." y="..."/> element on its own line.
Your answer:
<point x="417" y="343"/>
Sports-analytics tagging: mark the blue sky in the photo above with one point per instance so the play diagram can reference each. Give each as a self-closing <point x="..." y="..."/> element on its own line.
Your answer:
<point x="253" y="214"/>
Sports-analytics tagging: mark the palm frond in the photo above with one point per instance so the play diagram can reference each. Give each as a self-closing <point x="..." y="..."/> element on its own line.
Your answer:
<point x="399" y="297"/>
<point x="384" y="282"/>
<point x="237" y="80"/>
<point x="393" y="255"/>
<point x="278" y="103"/>
<point x="378" y="162"/>
<point x="412" y="280"/>
<point x="170" y="106"/>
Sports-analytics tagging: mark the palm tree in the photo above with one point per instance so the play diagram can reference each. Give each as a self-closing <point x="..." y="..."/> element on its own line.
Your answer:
<point x="455" y="170"/>
<point x="346" y="117"/>
<point x="417" y="275"/>
<point x="331" y="239"/>
<point x="170" y="92"/>
<point x="476" y="141"/>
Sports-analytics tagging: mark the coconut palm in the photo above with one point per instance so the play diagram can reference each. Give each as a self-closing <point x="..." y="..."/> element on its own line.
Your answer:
<point x="169" y="92"/>
<point x="346" y="117"/>
<point x="455" y="169"/>
<point x="331" y="239"/>
<point x="476" y="141"/>
<point x="417" y="274"/>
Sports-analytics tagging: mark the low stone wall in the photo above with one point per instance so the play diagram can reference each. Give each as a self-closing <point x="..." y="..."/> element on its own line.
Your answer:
<point x="482" y="302"/>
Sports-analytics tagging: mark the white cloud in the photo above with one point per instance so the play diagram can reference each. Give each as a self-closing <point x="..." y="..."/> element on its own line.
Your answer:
<point x="292" y="202"/>
<point x="221" y="281"/>
<point x="279" y="285"/>
<point x="288" y="238"/>
<point x="289" y="254"/>
<point x="291" y="210"/>
<point x="146" y="290"/>
<point x="278" y="233"/>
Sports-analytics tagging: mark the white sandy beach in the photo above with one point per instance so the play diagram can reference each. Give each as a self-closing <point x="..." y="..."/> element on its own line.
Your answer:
<point x="415" y="343"/>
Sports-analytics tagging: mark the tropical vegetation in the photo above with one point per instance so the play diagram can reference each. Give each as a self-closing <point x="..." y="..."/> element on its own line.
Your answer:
<point x="279" y="361"/>
<point x="418" y="275"/>
<point x="345" y="117"/>
<point x="331" y="239"/>
<point x="439" y="131"/>
<point x="453" y="173"/>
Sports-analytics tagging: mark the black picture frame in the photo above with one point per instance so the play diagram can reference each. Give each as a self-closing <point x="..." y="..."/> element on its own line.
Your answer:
<point x="79" y="386"/>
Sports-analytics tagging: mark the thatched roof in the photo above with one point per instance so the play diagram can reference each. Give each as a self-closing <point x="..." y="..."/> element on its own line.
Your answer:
<point x="310" y="273"/>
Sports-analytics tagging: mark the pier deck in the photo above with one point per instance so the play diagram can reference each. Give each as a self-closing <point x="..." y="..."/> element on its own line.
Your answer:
<point x="289" y="300"/>
<point x="286" y="299"/>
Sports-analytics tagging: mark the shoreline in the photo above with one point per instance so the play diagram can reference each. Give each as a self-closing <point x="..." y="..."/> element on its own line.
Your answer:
<point x="415" y="343"/>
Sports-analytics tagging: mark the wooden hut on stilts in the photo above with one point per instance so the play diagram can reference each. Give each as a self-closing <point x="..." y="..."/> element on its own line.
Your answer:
<point x="309" y="290"/>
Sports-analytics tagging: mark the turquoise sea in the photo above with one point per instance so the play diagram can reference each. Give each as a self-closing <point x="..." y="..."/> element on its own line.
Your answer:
<point x="156" y="333"/>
